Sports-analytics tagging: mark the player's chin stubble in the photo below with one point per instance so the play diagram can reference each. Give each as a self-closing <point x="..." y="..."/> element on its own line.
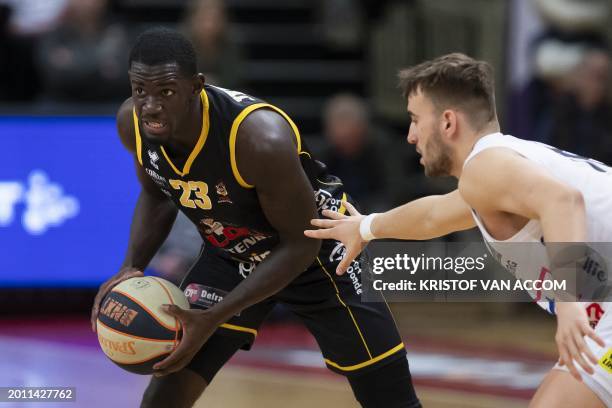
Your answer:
<point x="440" y="163"/>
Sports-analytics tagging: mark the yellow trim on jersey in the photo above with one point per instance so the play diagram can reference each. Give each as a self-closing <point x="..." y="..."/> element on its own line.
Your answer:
<point x="368" y="362"/>
<point x="234" y="133"/>
<point x="239" y="328"/>
<point x="196" y="150"/>
<point x="346" y="306"/>
<point x="138" y="140"/>
<point x="199" y="144"/>
<point x="342" y="208"/>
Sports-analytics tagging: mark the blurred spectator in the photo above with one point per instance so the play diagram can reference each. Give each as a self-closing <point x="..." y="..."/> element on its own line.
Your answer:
<point x="18" y="78"/>
<point x="577" y="117"/>
<point x="85" y="58"/>
<point x="359" y="154"/>
<point x="219" y="55"/>
<point x="566" y="102"/>
<point x="343" y="23"/>
<point x="34" y="17"/>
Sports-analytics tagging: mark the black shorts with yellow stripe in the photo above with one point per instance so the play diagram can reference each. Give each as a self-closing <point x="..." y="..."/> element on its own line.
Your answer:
<point x="354" y="337"/>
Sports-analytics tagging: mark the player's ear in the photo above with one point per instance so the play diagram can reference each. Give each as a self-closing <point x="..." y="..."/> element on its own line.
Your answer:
<point x="198" y="83"/>
<point x="449" y="122"/>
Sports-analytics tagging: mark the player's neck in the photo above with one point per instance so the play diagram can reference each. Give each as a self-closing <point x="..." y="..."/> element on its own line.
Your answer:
<point x="465" y="148"/>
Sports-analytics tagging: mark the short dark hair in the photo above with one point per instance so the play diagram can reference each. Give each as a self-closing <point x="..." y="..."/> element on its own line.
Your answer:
<point x="454" y="80"/>
<point x="162" y="45"/>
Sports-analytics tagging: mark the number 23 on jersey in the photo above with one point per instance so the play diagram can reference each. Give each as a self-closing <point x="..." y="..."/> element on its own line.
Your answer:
<point x="199" y="190"/>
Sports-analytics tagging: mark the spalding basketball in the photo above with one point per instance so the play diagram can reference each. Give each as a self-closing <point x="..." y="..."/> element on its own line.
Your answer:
<point x="133" y="330"/>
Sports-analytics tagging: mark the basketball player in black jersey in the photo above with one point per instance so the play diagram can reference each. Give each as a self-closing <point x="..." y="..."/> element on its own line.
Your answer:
<point x="238" y="169"/>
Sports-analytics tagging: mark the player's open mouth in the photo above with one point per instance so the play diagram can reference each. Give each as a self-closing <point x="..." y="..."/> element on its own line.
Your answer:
<point x="154" y="126"/>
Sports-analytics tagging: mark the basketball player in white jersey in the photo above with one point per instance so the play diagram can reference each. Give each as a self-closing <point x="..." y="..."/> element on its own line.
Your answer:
<point x="514" y="191"/>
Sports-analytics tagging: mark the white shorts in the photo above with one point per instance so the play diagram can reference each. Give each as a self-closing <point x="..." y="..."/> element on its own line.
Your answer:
<point x="601" y="381"/>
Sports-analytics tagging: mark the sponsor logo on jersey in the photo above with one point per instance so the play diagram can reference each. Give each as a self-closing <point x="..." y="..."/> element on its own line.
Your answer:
<point x="245" y="268"/>
<point x="203" y="296"/>
<point x="606" y="361"/>
<point x="236" y="240"/>
<point x="153" y="158"/>
<point x="354" y="269"/>
<point x="159" y="180"/>
<point x="222" y="193"/>
<point x="118" y="312"/>
<point x="593" y="268"/>
<point x="325" y="201"/>
<point x="594" y="313"/>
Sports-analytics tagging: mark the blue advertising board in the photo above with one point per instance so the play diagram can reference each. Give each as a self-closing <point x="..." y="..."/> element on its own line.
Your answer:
<point x="67" y="192"/>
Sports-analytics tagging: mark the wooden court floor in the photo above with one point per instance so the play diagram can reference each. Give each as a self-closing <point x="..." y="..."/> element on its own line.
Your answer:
<point x="461" y="355"/>
<point x="238" y="387"/>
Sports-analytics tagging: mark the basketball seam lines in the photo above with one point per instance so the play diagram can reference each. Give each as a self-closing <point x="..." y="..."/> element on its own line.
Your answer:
<point x="176" y="322"/>
<point x="143" y="361"/>
<point x="133" y="335"/>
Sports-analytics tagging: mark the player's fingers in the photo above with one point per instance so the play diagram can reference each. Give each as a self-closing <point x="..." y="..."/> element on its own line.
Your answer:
<point x="591" y="333"/>
<point x="174" y="311"/>
<point x="172" y="359"/>
<point x="95" y="310"/>
<point x="334" y="215"/>
<point x="94" y="318"/>
<point x="351" y="209"/>
<point x="579" y="357"/>
<point x="319" y="222"/>
<point x="172" y="368"/>
<point x="345" y="262"/>
<point x="127" y="276"/>
<point x="584" y="348"/>
<point x="342" y="266"/>
<point x="320" y="234"/>
<point x="569" y="362"/>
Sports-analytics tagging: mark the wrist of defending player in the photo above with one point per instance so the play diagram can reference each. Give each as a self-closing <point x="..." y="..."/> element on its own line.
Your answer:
<point x="365" y="228"/>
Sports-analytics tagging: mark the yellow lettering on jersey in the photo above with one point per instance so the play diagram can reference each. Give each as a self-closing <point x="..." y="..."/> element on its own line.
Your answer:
<point x="200" y="190"/>
<point x="606" y="361"/>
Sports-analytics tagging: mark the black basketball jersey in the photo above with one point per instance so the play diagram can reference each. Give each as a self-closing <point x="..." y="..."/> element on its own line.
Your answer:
<point x="209" y="188"/>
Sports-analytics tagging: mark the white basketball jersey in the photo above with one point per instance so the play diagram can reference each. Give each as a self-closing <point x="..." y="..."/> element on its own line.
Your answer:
<point x="592" y="178"/>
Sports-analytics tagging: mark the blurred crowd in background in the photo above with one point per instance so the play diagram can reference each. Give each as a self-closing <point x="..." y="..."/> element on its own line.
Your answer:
<point x="331" y="65"/>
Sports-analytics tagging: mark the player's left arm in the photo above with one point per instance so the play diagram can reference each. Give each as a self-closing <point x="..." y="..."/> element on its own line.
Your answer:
<point x="267" y="158"/>
<point x="499" y="179"/>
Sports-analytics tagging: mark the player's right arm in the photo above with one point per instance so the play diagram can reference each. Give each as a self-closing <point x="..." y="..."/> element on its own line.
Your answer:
<point x="421" y="219"/>
<point x="152" y="221"/>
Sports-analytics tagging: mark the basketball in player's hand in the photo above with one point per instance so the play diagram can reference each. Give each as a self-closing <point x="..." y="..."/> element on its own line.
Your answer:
<point x="133" y="331"/>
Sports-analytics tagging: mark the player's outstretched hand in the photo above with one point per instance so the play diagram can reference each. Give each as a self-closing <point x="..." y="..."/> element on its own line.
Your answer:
<point x="572" y="327"/>
<point x="123" y="274"/>
<point x="197" y="328"/>
<point x="341" y="228"/>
